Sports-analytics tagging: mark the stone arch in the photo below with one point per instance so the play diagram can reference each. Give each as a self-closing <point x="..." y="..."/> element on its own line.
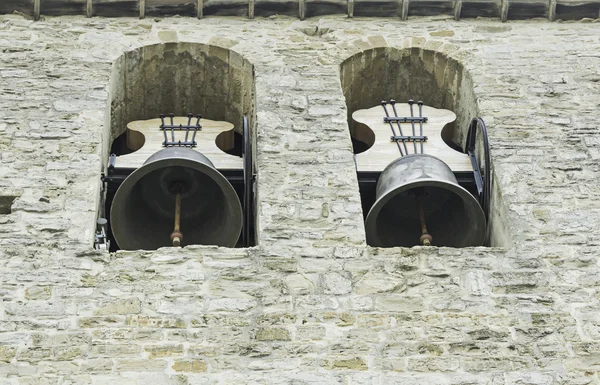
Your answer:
<point x="180" y="78"/>
<point x="410" y="73"/>
<point x="417" y="73"/>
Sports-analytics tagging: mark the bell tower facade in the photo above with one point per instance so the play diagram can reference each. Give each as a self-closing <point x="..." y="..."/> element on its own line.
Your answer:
<point x="309" y="301"/>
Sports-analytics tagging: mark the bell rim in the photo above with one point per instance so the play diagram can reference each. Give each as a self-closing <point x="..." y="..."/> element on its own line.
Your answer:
<point x="212" y="172"/>
<point x="380" y="202"/>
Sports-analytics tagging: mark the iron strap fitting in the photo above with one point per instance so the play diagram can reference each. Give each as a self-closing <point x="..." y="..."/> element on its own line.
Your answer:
<point x="194" y="128"/>
<point x="408" y="138"/>
<point x="404" y="119"/>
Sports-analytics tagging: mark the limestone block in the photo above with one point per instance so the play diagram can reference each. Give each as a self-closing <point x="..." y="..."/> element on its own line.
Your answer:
<point x="194" y="366"/>
<point x="160" y="351"/>
<point x="121" y="306"/>
<point x="336" y="283"/>
<point x="273" y="334"/>
<point x="342" y="363"/>
<point x="379" y="282"/>
<point x="231" y="304"/>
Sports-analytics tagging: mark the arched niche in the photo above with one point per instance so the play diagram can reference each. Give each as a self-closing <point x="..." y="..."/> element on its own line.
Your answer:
<point x="440" y="81"/>
<point x="180" y="78"/>
<point x="413" y="73"/>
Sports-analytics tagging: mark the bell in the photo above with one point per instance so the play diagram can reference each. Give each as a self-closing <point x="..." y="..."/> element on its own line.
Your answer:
<point x="418" y="202"/>
<point x="176" y="198"/>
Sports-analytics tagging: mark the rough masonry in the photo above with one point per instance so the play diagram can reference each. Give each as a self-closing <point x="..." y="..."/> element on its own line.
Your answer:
<point x="311" y="304"/>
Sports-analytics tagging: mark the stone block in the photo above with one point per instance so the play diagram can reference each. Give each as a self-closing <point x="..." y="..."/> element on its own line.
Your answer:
<point x="121" y="306"/>
<point x="273" y="334"/>
<point x="342" y="363"/>
<point x="337" y="283"/>
<point x="301" y="284"/>
<point x="160" y="351"/>
<point x="379" y="282"/>
<point x="193" y="366"/>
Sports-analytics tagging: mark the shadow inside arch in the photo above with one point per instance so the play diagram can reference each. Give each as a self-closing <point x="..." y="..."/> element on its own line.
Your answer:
<point x="413" y="73"/>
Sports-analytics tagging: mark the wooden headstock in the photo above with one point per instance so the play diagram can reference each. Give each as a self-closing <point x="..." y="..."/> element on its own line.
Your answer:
<point x="148" y="135"/>
<point x="384" y="151"/>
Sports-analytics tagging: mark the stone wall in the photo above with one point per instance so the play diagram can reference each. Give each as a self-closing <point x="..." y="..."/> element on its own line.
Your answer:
<point x="311" y="304"/>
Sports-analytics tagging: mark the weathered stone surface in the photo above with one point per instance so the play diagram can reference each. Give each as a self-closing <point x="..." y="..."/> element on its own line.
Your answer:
<point x="374" y="282"/>
<point x="311" y="303"/>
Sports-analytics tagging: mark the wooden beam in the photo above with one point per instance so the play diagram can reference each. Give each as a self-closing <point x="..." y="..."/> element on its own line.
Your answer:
<point x="504" y="11"/>
<point x="36" y="9"/>
<point x="302" y="9"/>
<point x="405" y="4"/>
<point x="551" y="10"/>
<point x="250" y="9"/>
<point x="350" y="8"/>
<point x="457" y="9"/>
<point x="200" y="9"/>
<point x="89" y="10"/>
<point x="142" y="9"/>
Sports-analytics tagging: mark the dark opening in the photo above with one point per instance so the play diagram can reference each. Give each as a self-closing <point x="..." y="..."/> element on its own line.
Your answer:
<point x="6" y="202"/>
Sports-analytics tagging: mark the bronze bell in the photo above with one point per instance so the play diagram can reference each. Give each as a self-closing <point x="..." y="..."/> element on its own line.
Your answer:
<point x="418" y="202"/>
<point x="175" y="186"/>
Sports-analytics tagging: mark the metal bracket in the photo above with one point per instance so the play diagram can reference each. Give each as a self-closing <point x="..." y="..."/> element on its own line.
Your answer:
<point x="412" y="119"/>
<point x="112" y="160"/>
<point x="483" y="179"/>
<point x="404" y="119"/>
<point x="180" y="127"/>
<point x="101" y="241"/>
<point x="408" y="138"/>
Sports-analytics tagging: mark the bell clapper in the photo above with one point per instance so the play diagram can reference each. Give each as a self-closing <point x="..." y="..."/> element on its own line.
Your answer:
<point x="176" y="235"/>
<point x="425" y="238"/>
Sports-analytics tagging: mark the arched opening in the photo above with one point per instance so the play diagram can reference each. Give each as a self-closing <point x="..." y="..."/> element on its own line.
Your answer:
<point x="440" y="81"/>
<point x="178" y="79"/>
<point x="415" y="73"/>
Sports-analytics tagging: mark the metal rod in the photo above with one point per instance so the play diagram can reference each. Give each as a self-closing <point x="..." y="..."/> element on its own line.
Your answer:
<point x="350" y="8"/>
<point x="383" y="103"/>
<point x="551" y="10"/>
<point x="164" y="130"/>
<point x="187" y="131"/>
<point x="405" y="5"/>
<point x="408" y="137"/>
<point x="404" y="119"/>
<point x="302" y="9"/>
<point x="142" y="9"/>
<point x="504" y="10"/>
<point x="172" y="130"/>
<point x="200" y="9"/>
<point x="176" y="235"/>
<point x="420" y="104"/>
<point x="36" y="9"/>
<point x="393" y="103"/>
<point x="425" y="238"/>
<point x="197" y="127"/>
<point x="250" y="9"/>
<point x="89" y="8"/>
<point x="457" y="9"/>
<point x="410" y="103"/>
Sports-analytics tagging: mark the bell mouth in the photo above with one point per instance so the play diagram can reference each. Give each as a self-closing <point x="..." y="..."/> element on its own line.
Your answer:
<point x="453" y="216"/>
<point x="143" y="209"/>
